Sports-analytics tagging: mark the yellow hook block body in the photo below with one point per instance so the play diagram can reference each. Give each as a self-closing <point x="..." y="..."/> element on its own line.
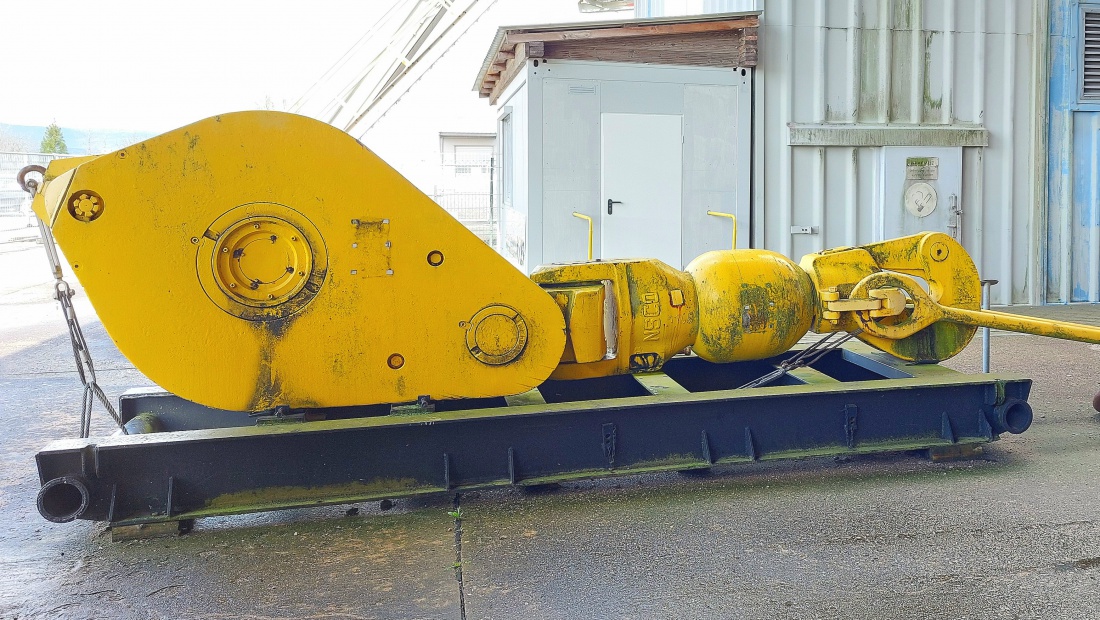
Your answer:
<point x="258" y="259"/>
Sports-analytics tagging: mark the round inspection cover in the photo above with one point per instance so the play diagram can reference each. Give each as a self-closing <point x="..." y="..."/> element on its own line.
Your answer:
<point x="496" y="335"/>
<point x="261" y="261"/>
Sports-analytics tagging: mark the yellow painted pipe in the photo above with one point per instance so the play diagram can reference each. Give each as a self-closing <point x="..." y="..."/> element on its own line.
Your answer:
<point x="1024" y="324"/>
<point x="733" y="217"/>
<point x="585" y="217"/>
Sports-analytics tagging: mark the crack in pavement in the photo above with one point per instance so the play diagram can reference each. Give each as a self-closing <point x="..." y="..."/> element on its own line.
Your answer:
<point x="457" y="515"/>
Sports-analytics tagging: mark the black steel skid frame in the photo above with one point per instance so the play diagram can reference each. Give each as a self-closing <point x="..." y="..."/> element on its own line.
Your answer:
<point x="233" y="469"/>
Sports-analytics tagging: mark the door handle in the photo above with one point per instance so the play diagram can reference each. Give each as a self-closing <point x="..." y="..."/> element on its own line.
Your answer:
<point x="612" y="202"/>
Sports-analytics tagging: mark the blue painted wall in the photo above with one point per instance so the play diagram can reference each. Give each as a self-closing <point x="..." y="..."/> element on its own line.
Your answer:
<point x="1073" y="211"/>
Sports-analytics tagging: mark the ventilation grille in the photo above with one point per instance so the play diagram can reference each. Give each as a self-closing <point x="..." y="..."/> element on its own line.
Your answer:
<point x="1090" y="65"/>
<point x="591" y="90"/>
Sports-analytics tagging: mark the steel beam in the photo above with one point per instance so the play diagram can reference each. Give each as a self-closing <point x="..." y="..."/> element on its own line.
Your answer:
<point x="188" y="474"/>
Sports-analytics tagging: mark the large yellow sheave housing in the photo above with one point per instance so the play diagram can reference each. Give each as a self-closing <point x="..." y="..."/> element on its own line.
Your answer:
<point x="259" y="259"/>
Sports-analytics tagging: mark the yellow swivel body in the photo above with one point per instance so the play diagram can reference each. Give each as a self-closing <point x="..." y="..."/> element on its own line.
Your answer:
<point x="753" y="304"/>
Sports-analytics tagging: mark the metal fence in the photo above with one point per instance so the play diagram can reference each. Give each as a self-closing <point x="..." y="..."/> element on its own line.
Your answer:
<point x="13" y="200"/>
<point x="466" y="192"/>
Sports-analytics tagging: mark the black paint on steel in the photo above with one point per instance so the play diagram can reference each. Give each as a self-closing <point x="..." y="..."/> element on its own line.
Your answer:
<point x="851" y="423"/>
<point x="750" y="445"/>
<point x="946" y="430"/>
<point x="182" y="475"/>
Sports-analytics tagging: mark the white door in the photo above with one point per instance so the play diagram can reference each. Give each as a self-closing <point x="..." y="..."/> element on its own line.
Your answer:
<point x="642" y="167"/>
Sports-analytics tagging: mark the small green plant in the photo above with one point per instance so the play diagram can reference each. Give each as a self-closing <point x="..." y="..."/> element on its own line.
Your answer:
<point x="53" y="141"/>
<point x="456" y="513"/>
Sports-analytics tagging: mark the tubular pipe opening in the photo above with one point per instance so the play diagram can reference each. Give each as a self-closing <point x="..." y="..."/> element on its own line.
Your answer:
<point x="63" y="499"/>
<point x="1013" y="416"/>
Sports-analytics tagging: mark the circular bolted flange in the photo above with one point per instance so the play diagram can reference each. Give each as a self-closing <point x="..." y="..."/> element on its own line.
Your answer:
<point x="261" y="261"/>
<point x="496" y="335"/>
<point x="257" y="260"/>
<point x="85" y="205"/>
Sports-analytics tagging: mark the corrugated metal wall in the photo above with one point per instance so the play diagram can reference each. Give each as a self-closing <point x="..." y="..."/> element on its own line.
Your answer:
<point x="840" y="79"/>
<point x="1073" y="229"/>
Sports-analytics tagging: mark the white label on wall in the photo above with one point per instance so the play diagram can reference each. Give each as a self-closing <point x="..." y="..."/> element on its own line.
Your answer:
<point x="921" y="199"/>
<point x="922" y="168"/>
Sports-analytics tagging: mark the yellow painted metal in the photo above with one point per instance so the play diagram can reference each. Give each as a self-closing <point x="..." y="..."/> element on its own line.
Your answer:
<point x="733" y="244"/>
<point x="726" y="306"/>
<point x="583" y="305"/>
<point x="643" y="325"/>
<point x="935" y="258"/>
<point x="876" y="292"/>
<point x="752" y="304"/>
<point x="590" y="226"/>
<point x="52" y="189"/>
<point x="259" y="259"/>
<point x="926" y="312"/>
<point x="1023" y="324"/>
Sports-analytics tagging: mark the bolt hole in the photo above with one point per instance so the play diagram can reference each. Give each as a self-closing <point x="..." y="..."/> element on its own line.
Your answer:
<point x="396" y="361"/>
<point x="435" y="258"/>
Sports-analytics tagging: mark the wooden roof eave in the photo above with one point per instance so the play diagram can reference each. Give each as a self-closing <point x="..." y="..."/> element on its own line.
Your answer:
<point x="513" y="46"/>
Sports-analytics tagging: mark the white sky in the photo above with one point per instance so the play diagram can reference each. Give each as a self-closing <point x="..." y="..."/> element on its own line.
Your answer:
<point x="153" y="66"/>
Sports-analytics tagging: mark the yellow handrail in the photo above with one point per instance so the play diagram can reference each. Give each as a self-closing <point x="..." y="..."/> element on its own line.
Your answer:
<point x="585" y="217"/>
<point x="732" y="217"/>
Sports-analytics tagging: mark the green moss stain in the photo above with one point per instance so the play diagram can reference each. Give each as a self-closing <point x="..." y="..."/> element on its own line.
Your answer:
<point x="286" y="497"/>
<point x="933" y="106"/>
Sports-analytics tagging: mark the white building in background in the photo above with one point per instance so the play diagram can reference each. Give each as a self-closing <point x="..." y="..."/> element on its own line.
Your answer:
<point x="856" y="120"/>
<point x="867" y="119"/>
<point x="404" y="92"/>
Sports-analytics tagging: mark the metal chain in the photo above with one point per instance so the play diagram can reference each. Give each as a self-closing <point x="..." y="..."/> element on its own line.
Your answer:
<point x="805" y="357"/>
<point x="85" y="369"/>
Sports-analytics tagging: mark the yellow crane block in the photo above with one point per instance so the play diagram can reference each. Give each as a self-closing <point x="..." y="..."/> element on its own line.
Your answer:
<point x="258" y="259"/>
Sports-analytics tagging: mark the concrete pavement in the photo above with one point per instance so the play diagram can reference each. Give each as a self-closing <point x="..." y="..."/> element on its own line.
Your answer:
<point x="1013" y="535"/>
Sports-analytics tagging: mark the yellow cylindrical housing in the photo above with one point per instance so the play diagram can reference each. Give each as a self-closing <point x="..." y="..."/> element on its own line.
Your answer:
<point x="753" y="304"/>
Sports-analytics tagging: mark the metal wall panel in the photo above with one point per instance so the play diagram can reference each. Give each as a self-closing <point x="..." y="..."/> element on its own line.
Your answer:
<point x="565" y="100"/>
<point x="1073" y="215"/>
<point x="881" y="68"/>
<point x="514" y="209"/>
<point x="570" y="168"/>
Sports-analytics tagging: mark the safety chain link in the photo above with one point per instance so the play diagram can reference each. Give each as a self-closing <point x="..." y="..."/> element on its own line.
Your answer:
<point x="64" y="294"/>
<point x="805" y="357"/>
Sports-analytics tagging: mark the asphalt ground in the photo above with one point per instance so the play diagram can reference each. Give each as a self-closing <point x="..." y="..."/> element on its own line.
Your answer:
<point x="1014" y="534"/>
